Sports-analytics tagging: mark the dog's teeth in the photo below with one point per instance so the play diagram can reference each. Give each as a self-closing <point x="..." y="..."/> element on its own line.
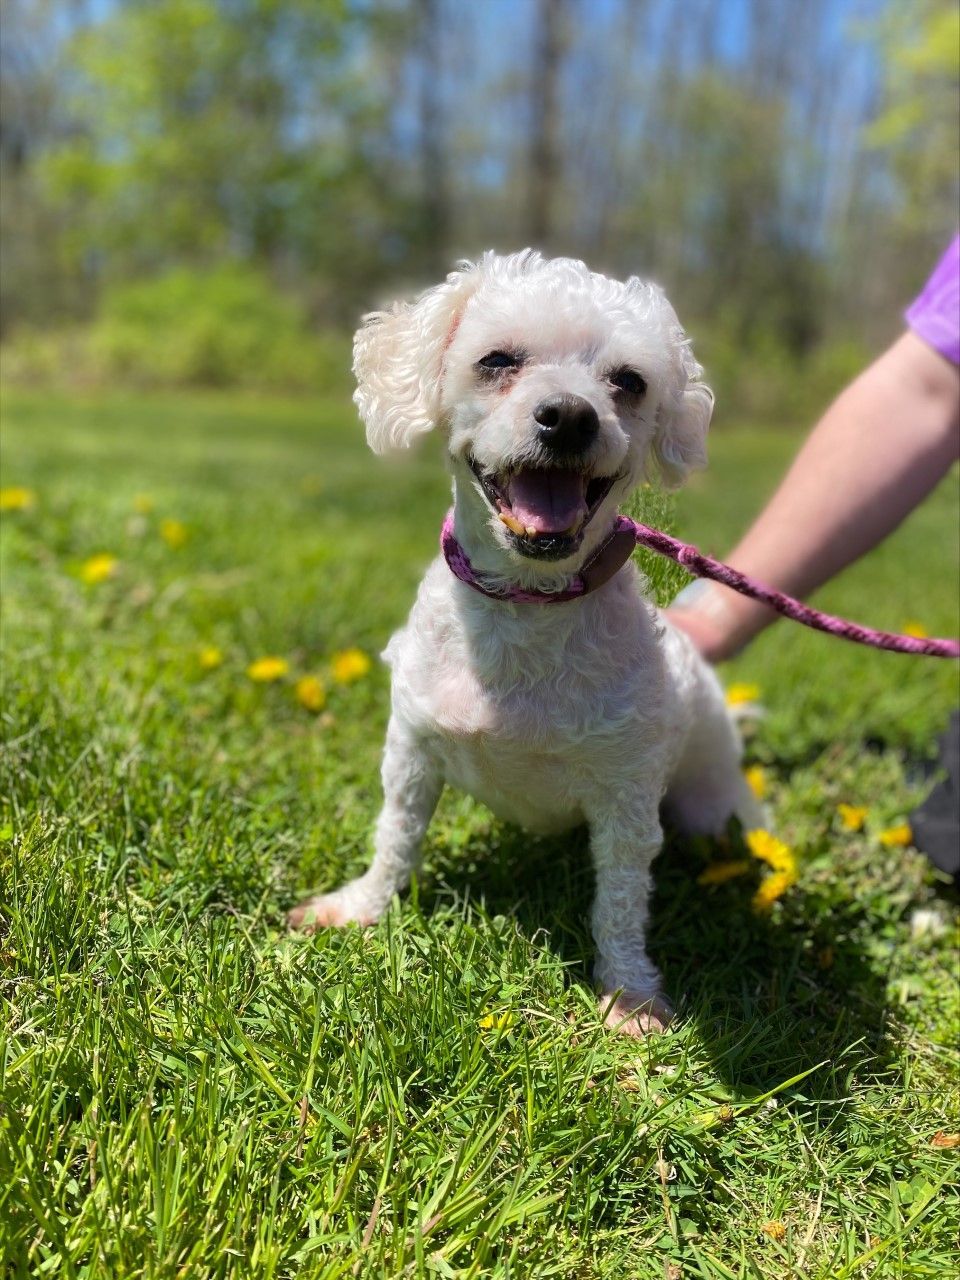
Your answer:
<point x="530" y="531"/>
<point x="512" y="523"/>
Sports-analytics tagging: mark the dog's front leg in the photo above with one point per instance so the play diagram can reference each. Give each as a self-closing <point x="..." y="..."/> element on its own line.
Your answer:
<point x="411" y="789"/>
<point x="624" y="840"/>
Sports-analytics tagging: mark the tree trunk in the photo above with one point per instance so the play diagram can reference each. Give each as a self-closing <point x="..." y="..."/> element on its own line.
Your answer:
<point x="433" y="167"/>
<point x="544" y="157"/>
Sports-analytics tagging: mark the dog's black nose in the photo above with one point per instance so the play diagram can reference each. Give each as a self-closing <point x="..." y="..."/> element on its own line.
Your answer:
<point x="568" y="423"/>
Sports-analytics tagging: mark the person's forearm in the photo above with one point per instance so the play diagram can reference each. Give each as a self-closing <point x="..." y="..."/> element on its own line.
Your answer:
<point x="876" y="453"/>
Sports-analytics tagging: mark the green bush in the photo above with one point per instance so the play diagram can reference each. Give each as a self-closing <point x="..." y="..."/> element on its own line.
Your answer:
<point x="41" y="357"/>
<point x="231" y="327"/>
<point x="224" y="328"/>
<point x="228" y="327"/>
<point x="762" y="381"/>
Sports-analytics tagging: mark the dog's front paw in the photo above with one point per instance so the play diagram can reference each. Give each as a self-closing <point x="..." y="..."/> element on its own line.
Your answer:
<point x="333" y="910"/>
<point x="635" y="1013"/>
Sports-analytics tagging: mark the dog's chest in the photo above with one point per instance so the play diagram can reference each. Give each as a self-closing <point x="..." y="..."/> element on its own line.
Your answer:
<point x="527" y="728"/>
<point x="534" y="754"/>
<point x="519" y="749"/>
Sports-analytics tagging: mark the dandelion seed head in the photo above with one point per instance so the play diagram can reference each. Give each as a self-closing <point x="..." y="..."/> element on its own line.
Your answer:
<point x="927" y="922"/>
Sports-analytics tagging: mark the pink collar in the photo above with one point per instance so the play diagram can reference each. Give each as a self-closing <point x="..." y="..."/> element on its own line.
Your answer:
<point x="615" y="550"/>
<point x="612" y="554"/>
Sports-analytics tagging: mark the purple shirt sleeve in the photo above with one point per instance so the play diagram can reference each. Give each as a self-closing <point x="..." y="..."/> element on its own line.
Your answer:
<point x="935" y="315"/>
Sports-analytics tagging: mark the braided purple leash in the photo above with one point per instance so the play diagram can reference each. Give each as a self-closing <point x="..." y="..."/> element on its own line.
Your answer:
<point x="614" y="552"/>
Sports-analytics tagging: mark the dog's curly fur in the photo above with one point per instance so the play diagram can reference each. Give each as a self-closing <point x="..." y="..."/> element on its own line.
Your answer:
<point x="595" y="710"/>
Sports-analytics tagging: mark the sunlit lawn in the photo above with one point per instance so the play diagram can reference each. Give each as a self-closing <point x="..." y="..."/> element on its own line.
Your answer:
<point x="188" y="1091"/>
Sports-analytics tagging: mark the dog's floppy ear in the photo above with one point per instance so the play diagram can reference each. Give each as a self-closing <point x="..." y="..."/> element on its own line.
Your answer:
<point x="398" y="361"/>
<point x="680" y="439"/>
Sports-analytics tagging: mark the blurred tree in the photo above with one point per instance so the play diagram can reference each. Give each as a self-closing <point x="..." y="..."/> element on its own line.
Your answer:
<point x="917" y="129"/>
<point x="550" y="26"/>
<point x="900" y="205"/>
<point x="215" y="128"/>
<point x="435" y="221"/>
<point x="351" y="148"/>
<point x="36" y="282"/>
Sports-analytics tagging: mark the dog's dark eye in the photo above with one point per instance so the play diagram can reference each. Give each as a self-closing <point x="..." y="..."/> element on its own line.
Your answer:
<point x="499" y="360"/>
<point x="628" y="380"/>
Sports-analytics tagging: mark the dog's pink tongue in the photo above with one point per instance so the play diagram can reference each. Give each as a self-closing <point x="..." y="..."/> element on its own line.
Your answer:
<point x="547" y="501"/>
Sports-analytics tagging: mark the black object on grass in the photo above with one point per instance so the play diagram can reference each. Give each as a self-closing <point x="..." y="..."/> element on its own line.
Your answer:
<point x="936" y="823"/>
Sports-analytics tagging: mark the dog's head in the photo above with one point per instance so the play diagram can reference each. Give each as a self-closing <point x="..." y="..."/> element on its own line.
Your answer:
<point x="558" y="390"/>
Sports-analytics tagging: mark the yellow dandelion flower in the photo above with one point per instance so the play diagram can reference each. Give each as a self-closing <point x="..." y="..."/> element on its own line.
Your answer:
<point x="349" y="665"/>
<point x="757" y="780"/>
<point x="772" y="888"/>
<point x="209" y="658"/>
<point x="497" y="1021"/>
<point x="775" y="1230"/>
<point x="721" y="872"/>
<point x="174" y="533"/>
<point x="98" y="569"/>
<point x="897" y="837"/>
<point x="16" y="498"/>
<point x="310" y="693"/>
<point x="852" y="816"/>
<point x="266" y="669"/>
<point x="772" y="851"/>
<point x="915" y="629"/>
<point x="739" y="694"/>
<point x="143" y="504"/>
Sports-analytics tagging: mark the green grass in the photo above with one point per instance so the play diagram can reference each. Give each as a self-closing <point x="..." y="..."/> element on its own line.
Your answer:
<point x="187" y="1091"/>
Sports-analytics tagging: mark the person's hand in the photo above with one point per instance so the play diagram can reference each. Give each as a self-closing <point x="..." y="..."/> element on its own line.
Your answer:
<point x="874" y="455"/>
<point x="719" y="622"/>
<point x="703" y="630"/>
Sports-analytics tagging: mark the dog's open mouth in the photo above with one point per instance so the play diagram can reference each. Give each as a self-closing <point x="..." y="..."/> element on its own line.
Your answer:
<point x="546" y="509"/>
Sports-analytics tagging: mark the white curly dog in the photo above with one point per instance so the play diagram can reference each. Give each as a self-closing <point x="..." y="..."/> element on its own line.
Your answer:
<point x="557" y="391"/>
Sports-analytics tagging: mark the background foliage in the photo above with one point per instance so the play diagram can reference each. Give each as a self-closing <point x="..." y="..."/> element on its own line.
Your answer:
<point x="787" y="172"/>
